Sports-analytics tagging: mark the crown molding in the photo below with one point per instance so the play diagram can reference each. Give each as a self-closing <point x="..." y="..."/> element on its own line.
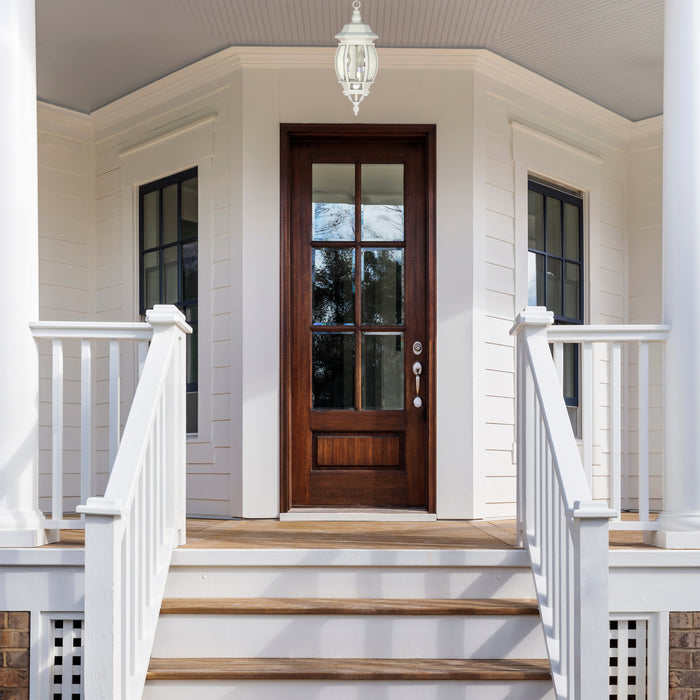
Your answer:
<point x="228" y="61"/>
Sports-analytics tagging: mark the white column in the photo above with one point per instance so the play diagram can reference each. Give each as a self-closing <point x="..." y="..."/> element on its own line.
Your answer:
<point x="19" y="281"/>
<point x="679" y="524"/>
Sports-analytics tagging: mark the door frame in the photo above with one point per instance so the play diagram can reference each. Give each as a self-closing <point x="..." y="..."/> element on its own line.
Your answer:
<point x="290" y="134"/>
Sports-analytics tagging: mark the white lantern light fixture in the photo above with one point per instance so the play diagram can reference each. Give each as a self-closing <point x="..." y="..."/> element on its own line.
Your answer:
<point x="356" y="58"/>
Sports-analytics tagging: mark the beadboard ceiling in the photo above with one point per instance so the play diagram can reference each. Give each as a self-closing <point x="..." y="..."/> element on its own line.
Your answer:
<point x="91" y="52"/>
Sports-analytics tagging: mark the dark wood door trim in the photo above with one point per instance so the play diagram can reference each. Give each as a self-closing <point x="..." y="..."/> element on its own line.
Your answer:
<point x="291" y="134"/>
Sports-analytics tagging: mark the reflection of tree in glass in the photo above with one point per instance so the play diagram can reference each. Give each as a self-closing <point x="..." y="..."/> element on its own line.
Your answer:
<point x="382" y="286"/>
<point x="382" y="372"/>
<point x="382" y="222"/>
<point x="333" y="221"/>
<point x="334" y="274"/>
<point x="333" y="370"/>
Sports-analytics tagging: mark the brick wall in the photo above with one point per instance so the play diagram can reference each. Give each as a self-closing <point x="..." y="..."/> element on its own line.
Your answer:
<point x="14" y="655"/>
<point x="684" y="656"/>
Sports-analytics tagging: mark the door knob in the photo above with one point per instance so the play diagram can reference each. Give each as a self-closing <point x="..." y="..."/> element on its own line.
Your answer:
<point x="417" y="370"/>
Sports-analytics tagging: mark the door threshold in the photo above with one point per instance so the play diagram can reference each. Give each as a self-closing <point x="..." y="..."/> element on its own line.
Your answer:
<point x="358" y="515"/>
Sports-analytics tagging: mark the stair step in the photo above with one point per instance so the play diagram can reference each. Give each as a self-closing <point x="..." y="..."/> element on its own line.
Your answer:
<point x="350" y="669"/>
<point x="345" y="606"/>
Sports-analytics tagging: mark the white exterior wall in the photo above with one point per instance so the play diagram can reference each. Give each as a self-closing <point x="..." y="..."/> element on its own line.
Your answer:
<point x="527" y="126"/>
<point x="496" y="123"/>
<point x="66" y="270"/>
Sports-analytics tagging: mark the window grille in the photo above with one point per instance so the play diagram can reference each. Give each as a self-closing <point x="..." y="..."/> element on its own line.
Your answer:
<point x="628" y="659"/>
<point x="66" y="660"/>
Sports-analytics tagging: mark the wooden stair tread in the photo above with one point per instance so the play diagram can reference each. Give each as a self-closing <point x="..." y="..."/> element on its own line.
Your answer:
<point x="350" y="669"/>
<point x="345" y="606"/>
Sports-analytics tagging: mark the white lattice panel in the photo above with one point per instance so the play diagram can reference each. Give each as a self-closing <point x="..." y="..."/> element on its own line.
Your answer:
<point x="66" y="660"/>
<point x="628" y="659"/>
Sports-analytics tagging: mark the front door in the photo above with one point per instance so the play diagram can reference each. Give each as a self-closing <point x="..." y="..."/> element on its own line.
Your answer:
<point x="358" y="351"/>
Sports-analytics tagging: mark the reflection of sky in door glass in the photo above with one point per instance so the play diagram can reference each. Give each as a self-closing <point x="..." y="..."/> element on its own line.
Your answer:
<point x="333" y="221"/>
<point x="382" y="222"/>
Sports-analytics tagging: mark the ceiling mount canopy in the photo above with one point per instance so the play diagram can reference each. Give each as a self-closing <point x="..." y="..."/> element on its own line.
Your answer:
<point x="356" y="58"/>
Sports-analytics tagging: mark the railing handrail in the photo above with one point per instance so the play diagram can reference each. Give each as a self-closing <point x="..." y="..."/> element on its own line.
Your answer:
<point x="611" y="334"/>
<point x="91" y="330"/>
<point x="125" y="577"/>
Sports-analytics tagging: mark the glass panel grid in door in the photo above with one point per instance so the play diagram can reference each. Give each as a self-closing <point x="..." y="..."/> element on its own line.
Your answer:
<point x="357" y="286"/>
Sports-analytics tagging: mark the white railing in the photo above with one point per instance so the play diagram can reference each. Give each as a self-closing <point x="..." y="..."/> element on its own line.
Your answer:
<point x="563" y="529"/>
<point x="130" y="532"/>
<point x="618" y="419"/>
<point x="88" y="345"/>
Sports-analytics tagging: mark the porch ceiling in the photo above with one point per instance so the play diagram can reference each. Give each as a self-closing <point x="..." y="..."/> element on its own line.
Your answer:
<point x="91" y="52"/>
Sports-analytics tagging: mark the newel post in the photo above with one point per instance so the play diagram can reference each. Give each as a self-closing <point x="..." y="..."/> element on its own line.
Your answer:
<point x="591" y="616"/>
<point x="103" y="599"/>
<point x="530" y="323"/>
<point x="168" y="319"/>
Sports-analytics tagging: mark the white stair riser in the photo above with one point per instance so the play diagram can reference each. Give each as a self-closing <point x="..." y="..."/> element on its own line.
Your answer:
<point x="345" y="636"/>
<point x="349" y="582"/>
<point x="338" y="690"/>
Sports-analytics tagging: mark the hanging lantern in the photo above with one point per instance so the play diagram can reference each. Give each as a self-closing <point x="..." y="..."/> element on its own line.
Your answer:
<point x="356" y="58"/>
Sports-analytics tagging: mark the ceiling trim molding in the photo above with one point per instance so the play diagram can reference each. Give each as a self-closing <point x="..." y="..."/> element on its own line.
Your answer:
<point x="226" y="62"/>
<point x="130" y="150"/>
<point x="71" y="124"/>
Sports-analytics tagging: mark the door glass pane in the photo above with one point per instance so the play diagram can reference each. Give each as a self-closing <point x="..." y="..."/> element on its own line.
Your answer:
<point x="151" y="279"/>
<point x="572" y="243"/>
<point x="382" y="286"/>
<point x="382" y="202"/>
<point x="333" y="286"/>
<point x="572" y="291"/>
<point x="553" y="226"/>
<point x="150" y="219"/>
<point x="170" y="275"/>
<point x="189" y="211"/>
<point x="189" y="271"/>
<point x="535" y="220"/>
<point x="333" y="370"/>
<point x="333" y="202"/>
<point x="535" y="279"/>
<point x="170" y="214"/>
<point x="382" y="371"/>
<point x="554" y="300"/>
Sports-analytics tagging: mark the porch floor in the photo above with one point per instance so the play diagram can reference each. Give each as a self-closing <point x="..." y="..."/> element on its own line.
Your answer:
<point x="273" y="534"/>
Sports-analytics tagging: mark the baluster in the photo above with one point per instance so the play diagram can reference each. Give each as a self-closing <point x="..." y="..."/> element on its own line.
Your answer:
<point x="113" y="401"/>
<point x="616" y="428"/>
<point x="587" y="410"/>
<point x="134" y="586"/>
<point x="85" y="421"/>
<point x="141" y="352"/>
<point x="57" y="430"/>
<point x="643" y="435"/>
<point x="559" y="360"/>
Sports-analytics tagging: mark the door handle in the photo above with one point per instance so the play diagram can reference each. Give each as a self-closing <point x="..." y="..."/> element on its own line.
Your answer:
<point x="417" y="371"/>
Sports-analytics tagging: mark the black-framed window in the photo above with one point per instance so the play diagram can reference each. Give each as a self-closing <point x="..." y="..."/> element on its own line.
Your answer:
<point x="556" y="268"/>
<point x="168" y="233"/>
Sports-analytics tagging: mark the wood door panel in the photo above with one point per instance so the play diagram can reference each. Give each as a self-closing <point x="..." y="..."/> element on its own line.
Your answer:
<point x="344" y="451"/>
<point x="335" y="451"/>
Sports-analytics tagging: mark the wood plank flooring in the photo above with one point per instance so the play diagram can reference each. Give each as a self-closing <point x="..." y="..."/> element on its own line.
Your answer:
<point x="273" y="534"/>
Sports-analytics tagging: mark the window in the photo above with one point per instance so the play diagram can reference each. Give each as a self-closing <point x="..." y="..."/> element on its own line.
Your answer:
<point x="168" y="228"/>
<point x="555" y="270"/>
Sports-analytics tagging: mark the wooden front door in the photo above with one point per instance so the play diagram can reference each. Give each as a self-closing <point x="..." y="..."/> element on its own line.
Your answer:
<point x="357" y="348"/>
